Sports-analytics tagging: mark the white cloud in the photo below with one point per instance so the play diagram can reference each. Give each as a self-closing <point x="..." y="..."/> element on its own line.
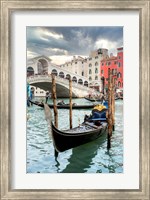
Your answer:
<point x="54" y="35"/>
<point x="103" y="43"/>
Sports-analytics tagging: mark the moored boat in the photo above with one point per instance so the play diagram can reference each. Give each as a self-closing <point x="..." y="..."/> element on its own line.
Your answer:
<point x="71" y="138"/>
<point x="64" y="106"/>
<point x="93" y="99"/>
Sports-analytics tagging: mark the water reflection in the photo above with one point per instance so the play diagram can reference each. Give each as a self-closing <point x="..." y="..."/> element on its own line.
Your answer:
<point x="83" y="155"/>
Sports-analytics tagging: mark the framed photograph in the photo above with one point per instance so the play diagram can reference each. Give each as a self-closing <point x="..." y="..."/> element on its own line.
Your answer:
<point x="41" y="38"/>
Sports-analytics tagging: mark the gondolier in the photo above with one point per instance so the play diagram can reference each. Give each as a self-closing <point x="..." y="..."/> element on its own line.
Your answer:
<point x="47" y="96"/>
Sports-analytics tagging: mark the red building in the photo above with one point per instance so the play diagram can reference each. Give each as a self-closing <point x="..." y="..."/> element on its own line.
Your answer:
<point x="115" y="63"/>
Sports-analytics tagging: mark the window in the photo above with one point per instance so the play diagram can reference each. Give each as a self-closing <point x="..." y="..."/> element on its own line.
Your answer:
<point x="75" y="62"/>
<point x="119" y="84"/>
<point x="102" y="71"/>
<point x="109" y="63"/>
<point x="119" y="75"/>
<point x="96" y="70"/>
<point x="115" y="62"/>
<point x="102" y="64"/>
<point x="119" y="64"/>
<point x="90" y="78"/>
<point x="90" y="58"/>
<point x="96" y="64"/>
<point x="82" y="73"/>
<point x="90" y="71"/>
<point x="96" y="77"/>
<point x="96" y="57"/>
<point x="90" y="65"/>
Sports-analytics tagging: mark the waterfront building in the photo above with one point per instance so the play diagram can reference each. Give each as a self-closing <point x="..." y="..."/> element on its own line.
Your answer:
<point x="115" y="63"/>
<point x="88" y="67"/>
<point x="85" y="71"/>
<point x="93" y="67"/>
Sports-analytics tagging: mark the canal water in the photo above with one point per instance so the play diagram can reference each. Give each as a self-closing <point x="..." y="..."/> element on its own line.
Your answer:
<point x="92" y="157"/>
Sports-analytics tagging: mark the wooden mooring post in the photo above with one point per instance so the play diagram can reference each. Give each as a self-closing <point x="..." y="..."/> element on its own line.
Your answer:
<point x="55" y="105"/>
<point x="70" y="101"/>
<point x="109" y="109"/>
<point x="113" y="103"/>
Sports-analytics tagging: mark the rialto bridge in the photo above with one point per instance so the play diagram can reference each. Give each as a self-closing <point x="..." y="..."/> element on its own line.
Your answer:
<point x="39" y="72"/>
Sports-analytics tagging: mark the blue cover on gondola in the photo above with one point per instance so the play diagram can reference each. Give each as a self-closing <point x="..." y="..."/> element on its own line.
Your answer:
<point x="99" y="114"/>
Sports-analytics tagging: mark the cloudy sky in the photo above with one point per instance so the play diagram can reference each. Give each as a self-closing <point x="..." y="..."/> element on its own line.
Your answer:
<point x="61" y="43"/>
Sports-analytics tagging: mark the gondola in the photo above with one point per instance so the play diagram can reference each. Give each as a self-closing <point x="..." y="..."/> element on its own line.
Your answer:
<point x="101" y="100"/>
<point x="68" y="139"/>
<point x="63" y="106"/>
<point x="93" y="100"/>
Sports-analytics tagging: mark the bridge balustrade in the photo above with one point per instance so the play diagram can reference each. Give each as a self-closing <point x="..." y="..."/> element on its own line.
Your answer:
<point x="61" y="80"/>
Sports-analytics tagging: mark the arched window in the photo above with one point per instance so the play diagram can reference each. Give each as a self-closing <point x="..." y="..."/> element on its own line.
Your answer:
<point x="90" y="65"/>
<point x="96" y="77"/>
<point x="61" y="74"/>
<point x="68" y="76"/>
<point x="85" y="83"/>
<point x="96" y="71"/>
<point x="30" y="71"/>
<point x="90" y="71"/>
<point x="54" y="71"/>
<point x="74" y="79"/>
<point x="80" y="81"/>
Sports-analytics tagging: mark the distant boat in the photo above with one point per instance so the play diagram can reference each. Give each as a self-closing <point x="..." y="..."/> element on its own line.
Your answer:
<point x="71" y="138"/>
<point x="93" y="99"/>
<point x="100" y="100"/>
<point x="64" y="106"/>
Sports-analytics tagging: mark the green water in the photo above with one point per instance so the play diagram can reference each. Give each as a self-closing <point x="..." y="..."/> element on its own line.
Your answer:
<point x="88" y="158"/>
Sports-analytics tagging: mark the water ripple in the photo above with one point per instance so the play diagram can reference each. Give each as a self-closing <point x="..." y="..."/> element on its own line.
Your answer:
<point x="89" y="158"/>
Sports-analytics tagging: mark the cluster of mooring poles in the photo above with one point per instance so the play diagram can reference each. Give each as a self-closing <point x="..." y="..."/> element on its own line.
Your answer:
<point x="111" y="107"/>
<point x="54" y="97"/>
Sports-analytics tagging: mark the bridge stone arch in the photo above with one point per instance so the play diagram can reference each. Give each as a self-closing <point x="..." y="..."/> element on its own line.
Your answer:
<point x="42" y="66"/>
<point x="62" y="86"/>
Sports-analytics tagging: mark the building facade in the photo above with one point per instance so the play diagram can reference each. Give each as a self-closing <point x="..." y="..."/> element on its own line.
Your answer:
<point x="115" y="64"/>
<point x="88" y="67"/>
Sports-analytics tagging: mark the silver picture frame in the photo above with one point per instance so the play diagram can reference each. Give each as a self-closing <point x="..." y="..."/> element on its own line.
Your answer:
<point x="7" y="8"/>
